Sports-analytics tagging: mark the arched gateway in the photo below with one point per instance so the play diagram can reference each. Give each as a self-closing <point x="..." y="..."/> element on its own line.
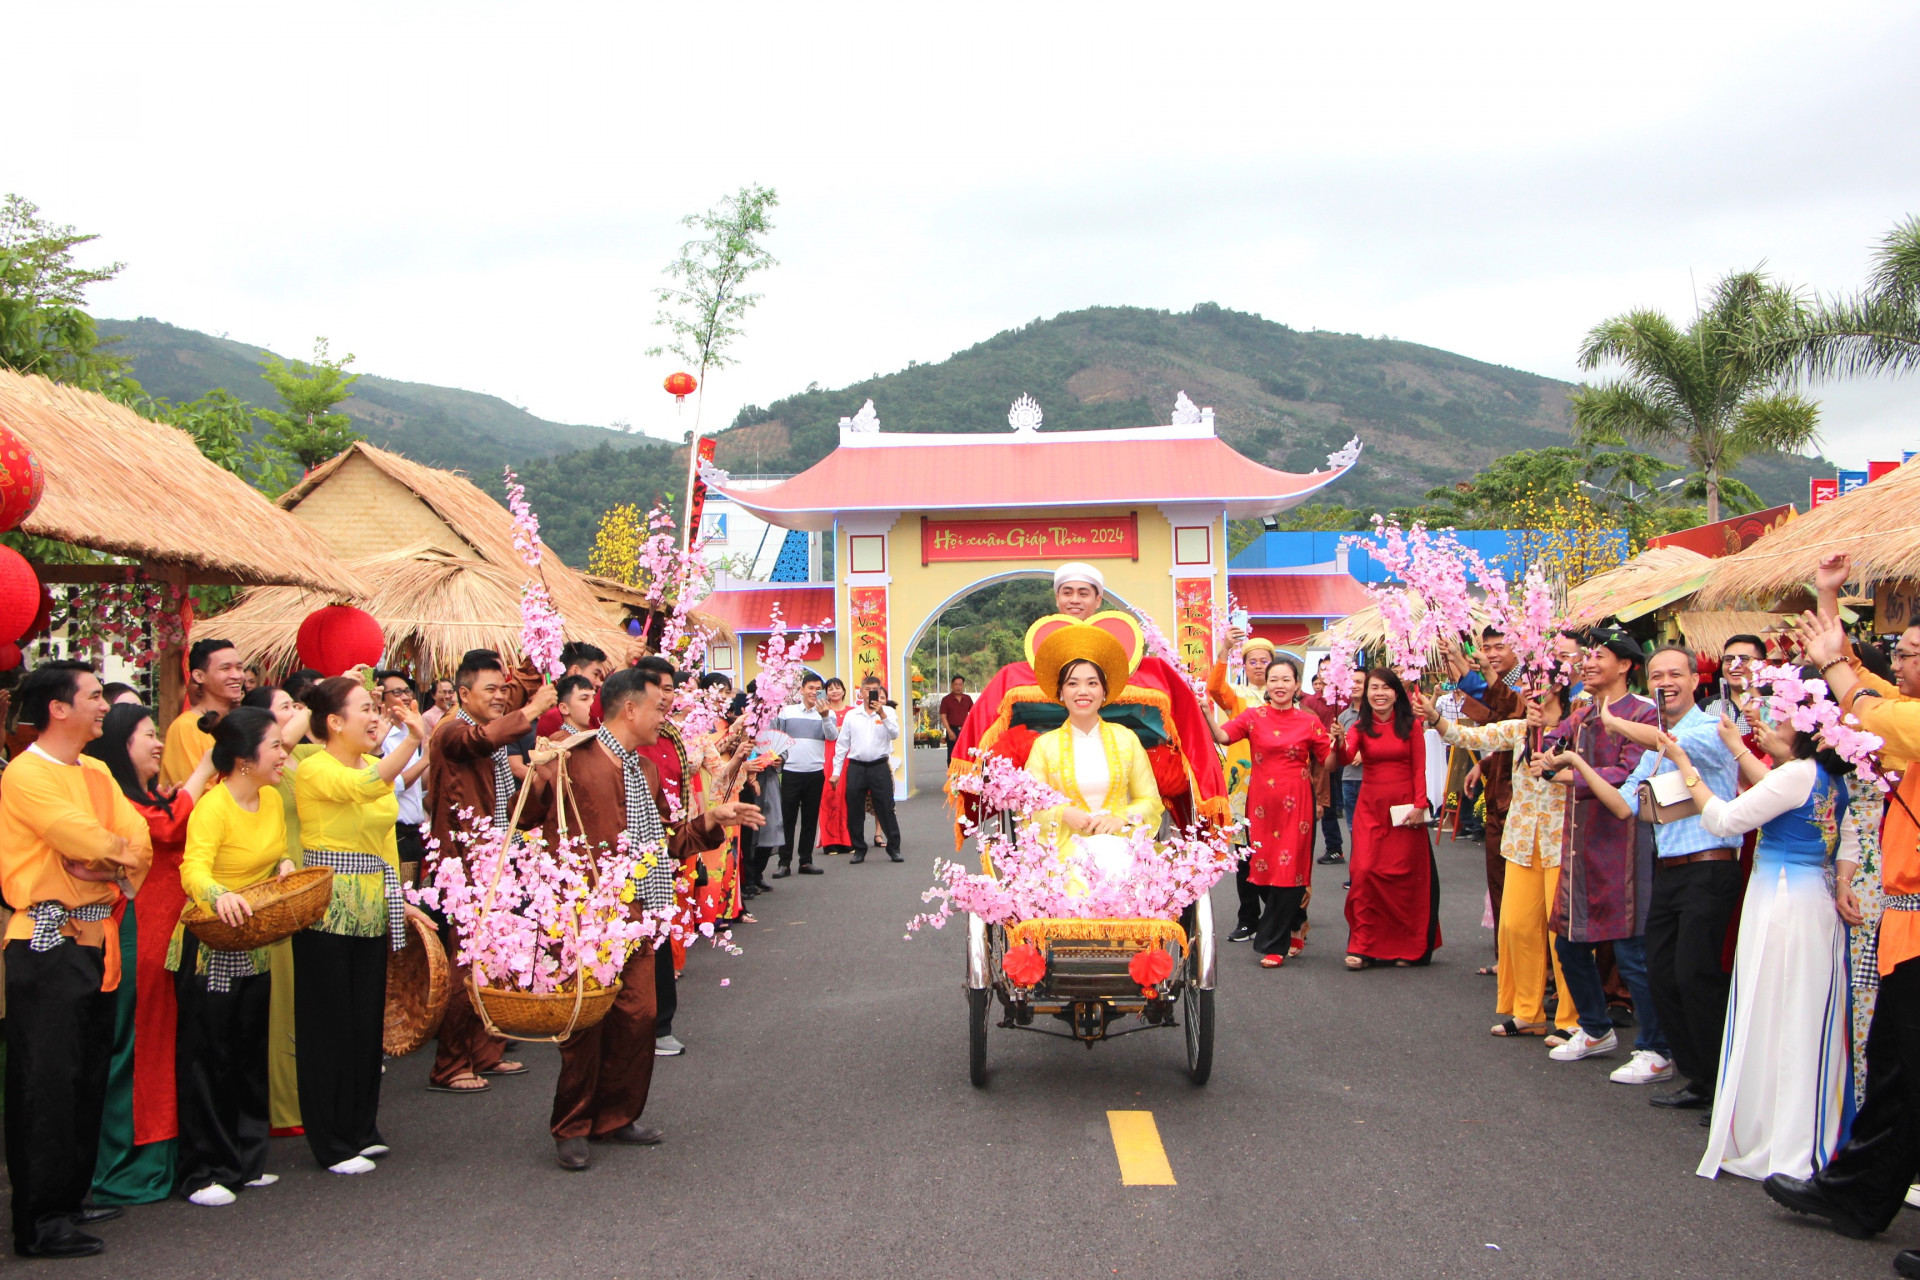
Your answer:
<point x="921" y="520"/>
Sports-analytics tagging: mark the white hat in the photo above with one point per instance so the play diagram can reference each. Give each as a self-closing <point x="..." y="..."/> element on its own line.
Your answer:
<point x="1078" y="572"/>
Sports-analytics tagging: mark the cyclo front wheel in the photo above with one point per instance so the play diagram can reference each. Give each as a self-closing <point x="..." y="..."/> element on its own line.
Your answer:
<point x="979" y="1001"/>
<point x="1196" y="1015"/>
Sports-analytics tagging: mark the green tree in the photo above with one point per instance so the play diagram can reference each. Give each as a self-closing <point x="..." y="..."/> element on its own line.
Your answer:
<point x="307" y="430"/>
<point x="222" y="427"/>
<point x="703" y="311"/>
<point x="42" y="326"/>
<point x="1710" y="389"/>
<point x="1873" y="331"/>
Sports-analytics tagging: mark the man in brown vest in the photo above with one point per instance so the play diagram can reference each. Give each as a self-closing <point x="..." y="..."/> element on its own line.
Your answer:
<point x="467" y="770"/>
<point x="611" y="790"/>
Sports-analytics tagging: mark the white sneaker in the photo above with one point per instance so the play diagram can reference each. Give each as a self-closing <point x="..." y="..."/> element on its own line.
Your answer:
<point x="213" y="1196"/>
<point x="667" y="1047"/>
<point x="375" y="1151"/>
<point x="360" y="1164"/>
<point x="1584" y="1046"/>
<point x="265" y="1180"/>
<point x="1644" y="1067"/>
<point x="1913" y="1197"/>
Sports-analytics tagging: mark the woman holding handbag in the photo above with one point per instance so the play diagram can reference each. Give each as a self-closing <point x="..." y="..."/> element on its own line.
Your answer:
<point x="1393" y="908"/>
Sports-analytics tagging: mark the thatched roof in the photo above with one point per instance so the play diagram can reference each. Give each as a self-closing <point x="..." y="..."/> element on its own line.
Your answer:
<point x="487" y="527"/>
<point x="121" y="484"/>
<point x="1657" y="576"/>
<point x="631" y="601"/>
<point x="1706" y="630"/>
<point x="1877" y="525"/>
<point x="1368" y="628"/>
<point x="432" y="606"/>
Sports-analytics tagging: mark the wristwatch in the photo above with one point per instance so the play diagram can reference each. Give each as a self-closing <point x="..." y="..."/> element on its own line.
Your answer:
<point x="1692" y="780"/>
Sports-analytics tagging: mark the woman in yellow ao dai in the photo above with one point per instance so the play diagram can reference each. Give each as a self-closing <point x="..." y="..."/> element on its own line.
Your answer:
<point x="1101" y="768"/>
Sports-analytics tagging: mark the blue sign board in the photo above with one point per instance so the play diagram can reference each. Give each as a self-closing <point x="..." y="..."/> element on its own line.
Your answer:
<point x="1851" y="480"/>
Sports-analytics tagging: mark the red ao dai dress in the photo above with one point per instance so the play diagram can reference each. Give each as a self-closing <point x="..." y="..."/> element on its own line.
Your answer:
<point x="1286" y="746"/>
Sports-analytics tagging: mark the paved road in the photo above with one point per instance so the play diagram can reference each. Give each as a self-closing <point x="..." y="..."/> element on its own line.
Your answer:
<point x="1357" y="1125"/>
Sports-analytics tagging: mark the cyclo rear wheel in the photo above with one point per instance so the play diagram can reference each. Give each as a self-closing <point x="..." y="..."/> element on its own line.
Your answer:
<point x="1196" y="1016"/>
<point x="979" y="1002"/>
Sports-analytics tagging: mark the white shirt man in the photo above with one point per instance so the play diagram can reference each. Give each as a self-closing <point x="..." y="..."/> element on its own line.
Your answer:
<point x="866" y="746"/>
<point x="803" y="774"/>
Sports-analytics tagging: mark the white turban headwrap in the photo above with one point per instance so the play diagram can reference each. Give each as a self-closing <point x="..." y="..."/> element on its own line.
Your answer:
<point x="1078" y="572"/>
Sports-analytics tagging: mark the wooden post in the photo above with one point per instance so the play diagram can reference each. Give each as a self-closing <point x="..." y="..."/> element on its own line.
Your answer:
<point x="172" y="660"/>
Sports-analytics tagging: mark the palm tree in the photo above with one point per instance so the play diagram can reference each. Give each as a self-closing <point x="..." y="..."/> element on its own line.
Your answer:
<point x="1874" y="331"/>
<point x="1711" y="389"/>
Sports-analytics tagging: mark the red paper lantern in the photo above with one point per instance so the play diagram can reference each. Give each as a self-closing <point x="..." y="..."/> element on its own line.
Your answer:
<point x="41" y="620"/>
<point x="10" y="656"/>
<point x="339" y="637"/>
<point x="19" y="593"/>
<point x="21" y="480"/>
<point x="680" y="386"/>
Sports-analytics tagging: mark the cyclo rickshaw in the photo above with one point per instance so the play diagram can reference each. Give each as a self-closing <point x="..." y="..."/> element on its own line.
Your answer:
<point x="1088" y="982"/>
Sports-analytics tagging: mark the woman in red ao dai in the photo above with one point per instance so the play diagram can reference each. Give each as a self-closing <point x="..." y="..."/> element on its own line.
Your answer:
<point x="1287" y="744"/>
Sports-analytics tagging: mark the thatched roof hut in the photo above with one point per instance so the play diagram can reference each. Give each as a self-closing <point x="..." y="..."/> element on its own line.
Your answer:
<point x="1877" y="525"/>
<point x="1368" y="629"/>
<point x="1657" y="576"/>
<point x="121" y="484"/>
<point x="439" y="557"/>
<point x="1706" y="630"/>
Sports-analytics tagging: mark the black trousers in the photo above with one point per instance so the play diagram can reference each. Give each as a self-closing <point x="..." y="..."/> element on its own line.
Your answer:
<point x="1686" y="936"/>
<point x="800" y="803"/>
<point x="220" y="1066"/>
<point x="339" y="1009"/>
<point x="871" y="780"/>
<point x="59" y="1045"/>
<point x="1279" y="917"/>
<point x="1869" y="1177"/>
<point x="1251" y="901"/>
<point x="666" y="990"/>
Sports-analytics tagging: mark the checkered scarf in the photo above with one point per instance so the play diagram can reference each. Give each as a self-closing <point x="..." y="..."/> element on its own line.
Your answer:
<point x="503" y="780"/>
<point x="644" y="828"/>
<point x="1866" y="965"/>
<point x="225" y="966"/>
<point x="354" y="863"/>
<point x="50" y="917"/>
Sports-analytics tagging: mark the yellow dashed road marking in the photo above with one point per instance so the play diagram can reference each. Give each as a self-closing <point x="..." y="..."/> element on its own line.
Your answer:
<point x="1136" y="1141"/>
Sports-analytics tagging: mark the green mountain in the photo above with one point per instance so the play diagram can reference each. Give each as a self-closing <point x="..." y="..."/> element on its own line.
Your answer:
<point x="1281" y="396"/>
<point x="440" y="426"/>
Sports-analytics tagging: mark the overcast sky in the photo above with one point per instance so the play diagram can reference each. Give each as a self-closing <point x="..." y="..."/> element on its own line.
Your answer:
<point x="483" y="195"/>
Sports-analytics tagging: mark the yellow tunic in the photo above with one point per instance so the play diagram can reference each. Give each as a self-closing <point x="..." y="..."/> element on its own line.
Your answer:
<point x="185" y="746"/>
<point x="228" y="849"/>
<point x="53" y="813"/>
<point x="349" y="810"/>
<point x="1132" y="793"/>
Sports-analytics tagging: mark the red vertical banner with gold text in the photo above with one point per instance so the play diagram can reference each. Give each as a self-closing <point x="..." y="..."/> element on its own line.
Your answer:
<point x="868" y="607"/>
<point x="697" y="499"/>
<point x="1193" y="623"/>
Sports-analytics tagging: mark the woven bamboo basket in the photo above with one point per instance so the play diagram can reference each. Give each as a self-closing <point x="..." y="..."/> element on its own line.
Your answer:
<point x="527" y="1016"/>
<point x="281" y="908"/>
<point x="419" y="982"/>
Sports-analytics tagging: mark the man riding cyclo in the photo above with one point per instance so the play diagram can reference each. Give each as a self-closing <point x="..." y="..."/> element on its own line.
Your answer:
<point x="1156" y="705"/>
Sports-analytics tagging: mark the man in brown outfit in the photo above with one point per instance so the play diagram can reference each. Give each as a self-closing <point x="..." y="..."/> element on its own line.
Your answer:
<point x="612" y="791"/>
<point x="467" y="766"/>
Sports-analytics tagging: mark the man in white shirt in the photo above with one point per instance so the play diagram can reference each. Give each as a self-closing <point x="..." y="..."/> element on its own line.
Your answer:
<point x="410" y="787"/>
<point x="866" y="749"/>
<point x="803" y="774"/>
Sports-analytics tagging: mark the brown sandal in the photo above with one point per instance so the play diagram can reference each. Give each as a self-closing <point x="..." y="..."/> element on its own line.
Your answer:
<point x="1508" y="1027"/>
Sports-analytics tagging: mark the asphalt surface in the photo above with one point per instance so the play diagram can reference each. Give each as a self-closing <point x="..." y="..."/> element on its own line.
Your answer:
<point x="821" y="1124"/>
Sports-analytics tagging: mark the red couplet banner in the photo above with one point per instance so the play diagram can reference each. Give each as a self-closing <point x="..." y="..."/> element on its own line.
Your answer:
<point x="1193" y="618"/>
<point x="869" y="656"/>
<point x="1042" y="538"/>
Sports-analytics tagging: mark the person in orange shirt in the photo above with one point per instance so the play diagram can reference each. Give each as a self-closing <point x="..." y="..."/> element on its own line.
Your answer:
<point x="71" y="847"/>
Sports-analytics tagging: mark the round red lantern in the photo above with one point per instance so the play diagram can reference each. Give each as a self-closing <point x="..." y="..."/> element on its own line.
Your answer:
<point x="339" y="637"/>
<point x="680" y="386"/>
<point x="41" y="620"/>
<point x="19" y="593"/>
<point x="10" y="656"/>
<point x="21" y="480"/>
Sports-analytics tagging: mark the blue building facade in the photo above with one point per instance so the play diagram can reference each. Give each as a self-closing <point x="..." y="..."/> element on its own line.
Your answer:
<point x="1502" y="549"/>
